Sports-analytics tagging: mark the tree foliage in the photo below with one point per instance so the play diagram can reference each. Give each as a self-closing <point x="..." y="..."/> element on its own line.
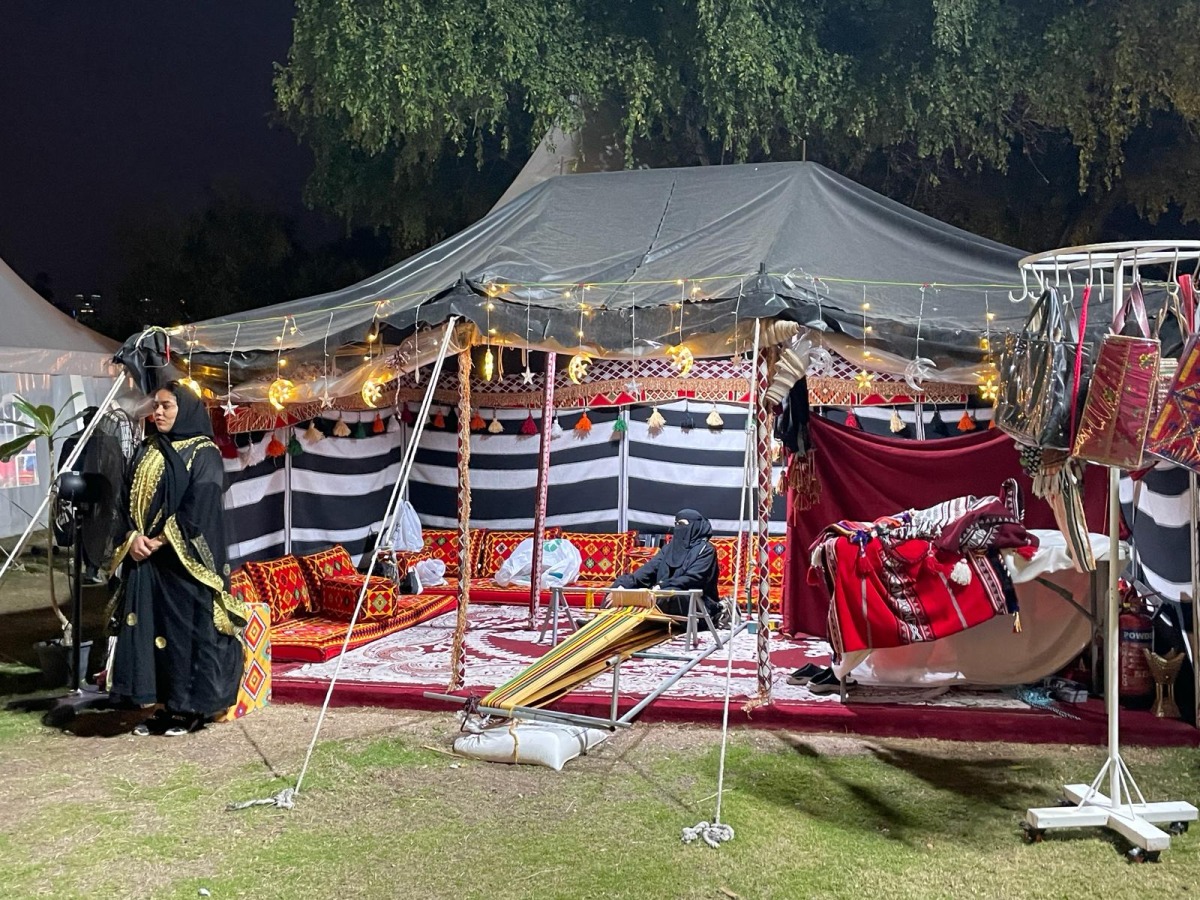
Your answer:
<point x="405" y="101"/>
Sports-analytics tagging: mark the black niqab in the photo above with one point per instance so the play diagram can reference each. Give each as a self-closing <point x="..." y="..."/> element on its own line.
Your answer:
<point x="686" y="539"/>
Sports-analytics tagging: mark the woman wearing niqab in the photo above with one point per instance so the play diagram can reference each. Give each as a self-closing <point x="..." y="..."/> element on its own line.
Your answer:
<point x="176" y="623"/>
<point x="688" y="562"/>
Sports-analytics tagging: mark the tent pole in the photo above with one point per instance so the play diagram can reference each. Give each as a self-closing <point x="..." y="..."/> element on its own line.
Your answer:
<point x="763" y="456"/>
<point x="458" y="662"/>
<point x="68" y="464"/>
<point x="543" y="489"/>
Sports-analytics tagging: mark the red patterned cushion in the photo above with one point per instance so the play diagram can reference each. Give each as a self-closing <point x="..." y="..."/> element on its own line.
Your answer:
<point x="339" y="596"/>
<point x="499" y="545"/>
<point x="317" y="638"/>
<point x="776" y="547"/>
<point x="243" y="588"/>
<point x="443" y="544"/>
<point x="325" y="564"/>
<point x="280" y="583"/>
<point x="728" y="558"/>
<point x="603" y="556"/>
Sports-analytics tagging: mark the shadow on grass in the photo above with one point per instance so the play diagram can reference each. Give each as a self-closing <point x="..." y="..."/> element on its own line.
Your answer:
<point x="900" y="794"/>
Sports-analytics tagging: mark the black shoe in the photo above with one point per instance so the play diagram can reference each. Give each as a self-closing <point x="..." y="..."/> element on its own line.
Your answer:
<point x="825" y="682"/>
<point x="804" y="674"/>
<point x="184" y="723"/>
<point x="156" y="724"/>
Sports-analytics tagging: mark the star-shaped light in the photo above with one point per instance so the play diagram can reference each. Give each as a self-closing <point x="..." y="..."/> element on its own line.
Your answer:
<point x="326" y="401"/>
<point x="989" y="389"/>
<point x="527" y="376"/>
<point x="633" y="388"/>
<point x="864" y="379"/>
<point x="230" y="407"/>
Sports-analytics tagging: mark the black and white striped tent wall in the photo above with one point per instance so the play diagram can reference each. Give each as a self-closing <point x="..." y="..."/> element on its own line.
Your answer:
<point x="1161" y="528"/>
<point x="336" y="491"/>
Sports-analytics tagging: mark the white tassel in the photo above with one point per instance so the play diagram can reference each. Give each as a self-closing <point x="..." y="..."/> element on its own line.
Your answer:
<point x="555" y="429"/>
<point x="656" y="422"/>
<point x="896" y="424"/>
<point x="961" y="573"/>
<point x="714" y="419"/>
<point x="494" y="427"/>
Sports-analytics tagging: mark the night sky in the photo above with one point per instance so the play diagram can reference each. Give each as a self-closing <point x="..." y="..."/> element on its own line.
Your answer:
<point x="109" y="108"/>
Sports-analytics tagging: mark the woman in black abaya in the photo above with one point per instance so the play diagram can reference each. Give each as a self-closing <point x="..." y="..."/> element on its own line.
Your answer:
<point x="176" y="623"/>
<point x="688" y="562"/>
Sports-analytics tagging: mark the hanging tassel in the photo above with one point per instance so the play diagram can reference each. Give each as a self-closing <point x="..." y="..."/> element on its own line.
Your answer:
<point x="477" y="423"/>
<point x="895" y="423"/>
<point x="991" y="424"/>
<point x="407" y="416"/>
<point x="529" y="427"/>
<point x="556" y="430"/>
<point x="276" y="447"/>
<point x="341" y="429"/>
<point x="1017" y="622"/>
<point x="293" y="446"/>
<point x="360" y="430"/>
<point x="439" y="419"/>
<point x="714" y="420"/>
<point x="656" y="422"/>
<point x="938" y="426"/>
<point x="966" y="423"/>
<point x="393" y="424"/>
<point x="852" y="420"/>
<point x="377" y="426"/>
<point x="312" y="433"/>
<point x="961" y="573"/>
<point x="495" y="426"/>
<point x="776" y="451"/>
<point x="802" y="479"/>
<point x="619" y="426"/>
<point x="583" y="425"/>
<point x="688" y="422"/>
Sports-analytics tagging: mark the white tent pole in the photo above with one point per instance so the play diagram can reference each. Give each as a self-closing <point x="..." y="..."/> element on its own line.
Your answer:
<point x="388" y="517"/>
<point x="68" y="464"/>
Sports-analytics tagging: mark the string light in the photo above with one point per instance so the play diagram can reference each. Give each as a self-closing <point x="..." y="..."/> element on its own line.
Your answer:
<point x="577" y="368"/>
<point x="230" y="407"/>
<point x="281" y="390"/>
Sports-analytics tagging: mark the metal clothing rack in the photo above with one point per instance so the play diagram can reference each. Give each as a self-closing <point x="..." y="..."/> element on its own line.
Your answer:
<point x="1123" y="808"/>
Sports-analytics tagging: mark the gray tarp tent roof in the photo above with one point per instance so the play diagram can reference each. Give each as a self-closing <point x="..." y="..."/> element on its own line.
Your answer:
<point x="38" y="339"/>
<point x="793" y="240"/>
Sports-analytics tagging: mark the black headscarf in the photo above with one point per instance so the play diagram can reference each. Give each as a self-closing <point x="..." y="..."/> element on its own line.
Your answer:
<point x="686" y="539"/>
<point x="190" y="422"/>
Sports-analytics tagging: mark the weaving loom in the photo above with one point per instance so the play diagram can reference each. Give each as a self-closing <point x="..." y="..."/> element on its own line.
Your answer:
<point x="622" y="632"/>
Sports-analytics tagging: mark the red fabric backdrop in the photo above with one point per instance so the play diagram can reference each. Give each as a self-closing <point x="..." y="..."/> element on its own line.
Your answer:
<point x="865" y="476"/>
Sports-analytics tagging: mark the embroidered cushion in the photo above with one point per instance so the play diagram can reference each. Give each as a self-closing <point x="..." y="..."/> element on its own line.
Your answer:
<point x="602" y="556"/>
<point x="281" y="584"/>
<point x="339" y="595"/>
<point x="776" y="547"/>
<point x="243" y="588"/>
<point x="255" y="690"/>
<point x="728" y="558"/>
<point x="443" y="544"/>
<point x="325" y="564"/>
<point x="497" y="546"/>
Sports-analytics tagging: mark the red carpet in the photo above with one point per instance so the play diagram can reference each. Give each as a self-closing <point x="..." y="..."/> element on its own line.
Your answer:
<point x="396" y="671"/>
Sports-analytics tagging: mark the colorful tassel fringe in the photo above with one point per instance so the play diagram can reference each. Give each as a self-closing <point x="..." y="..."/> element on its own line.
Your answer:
<point x="584" y="425"/>
<point x="407" y="416"/>
<point x="620" y="426"/>
<point x="293" y="446"/>
<point x="556" y="429"/>
<point x="895" y="423"/>
<point x="439" y="419"/>
<point x="529" y="427"/>
<point x="656" y="422"/>
<point x="377" y="426"/>
<point x="312" y="433"/>
<point x="341" y="429"/>
<point x="495" y="426"/>
<point x="852" y="420"/>
<point x="477" y="423"/>
<point x="966" y="423"/>
<point x="276" y="447"/>
<point x="360" y="430"/>
<point x="714" y="420"/>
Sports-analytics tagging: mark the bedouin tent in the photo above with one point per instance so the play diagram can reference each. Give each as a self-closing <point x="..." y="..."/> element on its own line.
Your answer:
<point x="45" y="356"/>
<point x="671" y="268"/>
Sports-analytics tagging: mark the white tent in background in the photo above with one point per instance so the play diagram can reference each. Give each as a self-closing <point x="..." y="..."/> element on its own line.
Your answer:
<point x="45" y="356"/>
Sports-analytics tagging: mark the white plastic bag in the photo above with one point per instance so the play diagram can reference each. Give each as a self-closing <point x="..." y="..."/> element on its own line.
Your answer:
<point x="406" y="533"/>
<point x="432" y="572"/>
<point x="560" y="564"/>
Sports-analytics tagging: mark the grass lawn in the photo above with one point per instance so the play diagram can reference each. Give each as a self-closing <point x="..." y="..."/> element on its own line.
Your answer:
<point x="386" y="812"/>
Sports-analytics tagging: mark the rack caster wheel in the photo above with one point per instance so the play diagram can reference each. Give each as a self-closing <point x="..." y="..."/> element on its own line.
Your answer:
<point x="1138" y="855"/>
<point x="1177" y="828"/>
<point x="1033" y="835"/>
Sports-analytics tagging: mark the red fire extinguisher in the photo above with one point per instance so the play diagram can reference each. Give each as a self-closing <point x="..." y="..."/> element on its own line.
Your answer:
<point x="1136" y="632"/>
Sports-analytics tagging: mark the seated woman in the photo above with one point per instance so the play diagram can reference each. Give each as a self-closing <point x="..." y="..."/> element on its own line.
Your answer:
<point x="687" y="563"/>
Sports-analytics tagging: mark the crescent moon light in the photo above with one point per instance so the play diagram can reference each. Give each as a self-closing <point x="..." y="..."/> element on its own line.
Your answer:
<point x="280" y="392"/>
<point x="577" y="368"/>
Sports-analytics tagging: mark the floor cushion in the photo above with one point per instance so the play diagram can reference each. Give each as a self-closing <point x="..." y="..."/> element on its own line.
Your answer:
<point x="443" y="544"/>
<point x="603" y="556"/>
<point x="255" y="690"/>
<point x="339" y="596"/>
<point x="243" y="588"/>
<point x="281" y="584"/>
<point x="325" y="564"/>
<point x="314" y="638"/>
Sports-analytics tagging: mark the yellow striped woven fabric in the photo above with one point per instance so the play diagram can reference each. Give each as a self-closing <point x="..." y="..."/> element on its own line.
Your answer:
<point x="583" y="656"/>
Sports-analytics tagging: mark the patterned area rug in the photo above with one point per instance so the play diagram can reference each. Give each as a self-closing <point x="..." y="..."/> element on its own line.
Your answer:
<point x="499" y="644"/>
